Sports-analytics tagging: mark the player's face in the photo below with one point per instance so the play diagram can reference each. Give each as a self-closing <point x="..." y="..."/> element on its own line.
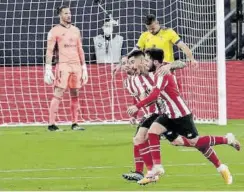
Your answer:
<point x="138" y="64"/>
<point x="148" y="62"/>
<point x="65" y="15"/>
<point x="131" y="62"/>
<point x="126" y="67"/>
<point x="153" y="28"/>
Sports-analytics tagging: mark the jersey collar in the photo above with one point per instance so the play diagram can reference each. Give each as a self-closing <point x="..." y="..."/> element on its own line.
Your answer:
<point x="64" y="26"/>
<point x="158" y="31"/>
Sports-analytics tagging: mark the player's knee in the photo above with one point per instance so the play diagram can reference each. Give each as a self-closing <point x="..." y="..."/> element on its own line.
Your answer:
<point x="156" y="128"/>
<point x="174" y="143"/>
<point x="59" y="92"/>
<point x="74" y="92"/>
<point x="139" y="139"/>
<point x="134" y="141"/>
<point x="193" y="141"/>
<point x="178" y="141"/>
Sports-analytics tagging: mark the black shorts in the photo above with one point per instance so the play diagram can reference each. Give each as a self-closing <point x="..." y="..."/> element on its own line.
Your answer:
<point x="183" y="126"/>
<point x="149" y="121"/>
<point x="146" y="123"/>
<point x="169" y="135"/>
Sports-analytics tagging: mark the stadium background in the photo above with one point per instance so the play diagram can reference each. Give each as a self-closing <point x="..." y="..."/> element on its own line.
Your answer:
<point x="23" y="40"/>
<point x="22" y="50"/>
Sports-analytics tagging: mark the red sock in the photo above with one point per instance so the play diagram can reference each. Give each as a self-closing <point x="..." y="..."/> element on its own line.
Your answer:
<point x="205" y="141"/>
<point x="154" y="142"/>
<point x="186" y="142"/>
<point x="210" y="154"/>
<point x="138" y="159"/>
<point x="146" y="155"/>
<point x="74" y="106"/>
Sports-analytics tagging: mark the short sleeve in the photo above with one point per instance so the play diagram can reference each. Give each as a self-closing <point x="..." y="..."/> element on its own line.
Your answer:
<point x="174" y="37"/>
<point x="141" y="41"/>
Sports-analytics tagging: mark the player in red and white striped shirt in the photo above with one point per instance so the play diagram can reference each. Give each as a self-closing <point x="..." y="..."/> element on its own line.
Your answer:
<point x="135" y="86"/>
<point x="178" y="118"/>
<point x="139" y="86"/>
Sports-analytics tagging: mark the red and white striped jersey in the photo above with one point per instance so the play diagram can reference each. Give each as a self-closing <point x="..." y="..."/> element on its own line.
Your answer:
<point x="169" y="91"/>
<point x="139" y="86"/>
<point x="136" y="87"/>
<point x="166" y="88"/>
<point x="147" y="82"/>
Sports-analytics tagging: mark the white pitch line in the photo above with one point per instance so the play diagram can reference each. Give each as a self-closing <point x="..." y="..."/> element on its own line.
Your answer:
<point x="89" y="167"/>
<point x="188" y="149"/>
<point x="103" y="167"/>
<point x="55" y="169"/>
<point x="116" y="178"/>
<point x="53" y="178"/>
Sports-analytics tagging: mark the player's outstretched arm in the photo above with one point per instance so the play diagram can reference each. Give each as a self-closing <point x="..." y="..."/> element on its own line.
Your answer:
<point x="140" y="44"/>
<point x="51" y="41"/>
<point x="134" y="116"/>
<point x="188" y="53"/>
<point x="178" y="64"/>
<point x="165" y="69"/>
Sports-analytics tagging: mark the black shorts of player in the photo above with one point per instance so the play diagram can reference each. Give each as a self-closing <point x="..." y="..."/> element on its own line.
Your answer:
<point x="146" y="123"/>
<point x="169" y="135"/>
<point x="183" y="126"/>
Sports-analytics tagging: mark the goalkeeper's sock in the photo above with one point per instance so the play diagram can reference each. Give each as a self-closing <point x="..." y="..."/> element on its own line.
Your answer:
<point x="210" y="154"/>
<point x="154" y="142"/>
<point x="53" y="110"/>
<point x="206" y="141"/>
<point x="146" y="155"/>
<point x="74" y="106"/>
<point x="139" y="164"/>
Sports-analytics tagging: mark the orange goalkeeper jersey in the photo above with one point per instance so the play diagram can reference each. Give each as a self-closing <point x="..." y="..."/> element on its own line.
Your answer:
<point x="68" y="44"/>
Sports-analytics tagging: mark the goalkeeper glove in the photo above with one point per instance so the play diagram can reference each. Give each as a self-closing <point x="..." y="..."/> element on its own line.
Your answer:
<point x="48" y="77"/>
<point x="84" y="74"/>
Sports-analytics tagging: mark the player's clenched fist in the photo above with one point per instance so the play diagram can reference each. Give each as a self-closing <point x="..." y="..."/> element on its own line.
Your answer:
<point x="132" y="110"/>
<point x="48" y="77"/>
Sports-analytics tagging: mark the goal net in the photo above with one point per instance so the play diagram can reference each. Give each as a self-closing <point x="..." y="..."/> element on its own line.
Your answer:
<point x="25" y="99"/>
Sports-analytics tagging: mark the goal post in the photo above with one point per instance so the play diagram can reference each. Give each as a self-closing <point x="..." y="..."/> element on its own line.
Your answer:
<point x="25" y="99"/>
<point x="222" y="100"/>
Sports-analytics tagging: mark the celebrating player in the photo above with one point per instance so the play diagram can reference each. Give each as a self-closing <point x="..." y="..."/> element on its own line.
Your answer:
<point x="178" y="119"/>
<point x="138" y="87"/>
<point x="134" y="85"/>
<point x="130" y="85"/>
<point x="71" y="71"/>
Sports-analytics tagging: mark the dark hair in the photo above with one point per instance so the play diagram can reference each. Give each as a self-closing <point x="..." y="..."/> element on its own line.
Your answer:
<point x="136" y="53"/>
<point x="155" y="54"/>
<point x="59" y="9"/>
<point x="150" y="19"/>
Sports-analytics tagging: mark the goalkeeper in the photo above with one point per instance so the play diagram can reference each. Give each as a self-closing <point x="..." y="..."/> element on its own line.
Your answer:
<point x="71" y="71"/>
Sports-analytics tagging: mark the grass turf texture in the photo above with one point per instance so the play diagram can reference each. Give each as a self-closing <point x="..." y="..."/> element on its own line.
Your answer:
<point x="31" y="158"/>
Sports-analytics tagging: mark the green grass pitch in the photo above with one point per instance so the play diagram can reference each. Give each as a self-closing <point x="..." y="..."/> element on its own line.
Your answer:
<point x="31" y="158"/>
